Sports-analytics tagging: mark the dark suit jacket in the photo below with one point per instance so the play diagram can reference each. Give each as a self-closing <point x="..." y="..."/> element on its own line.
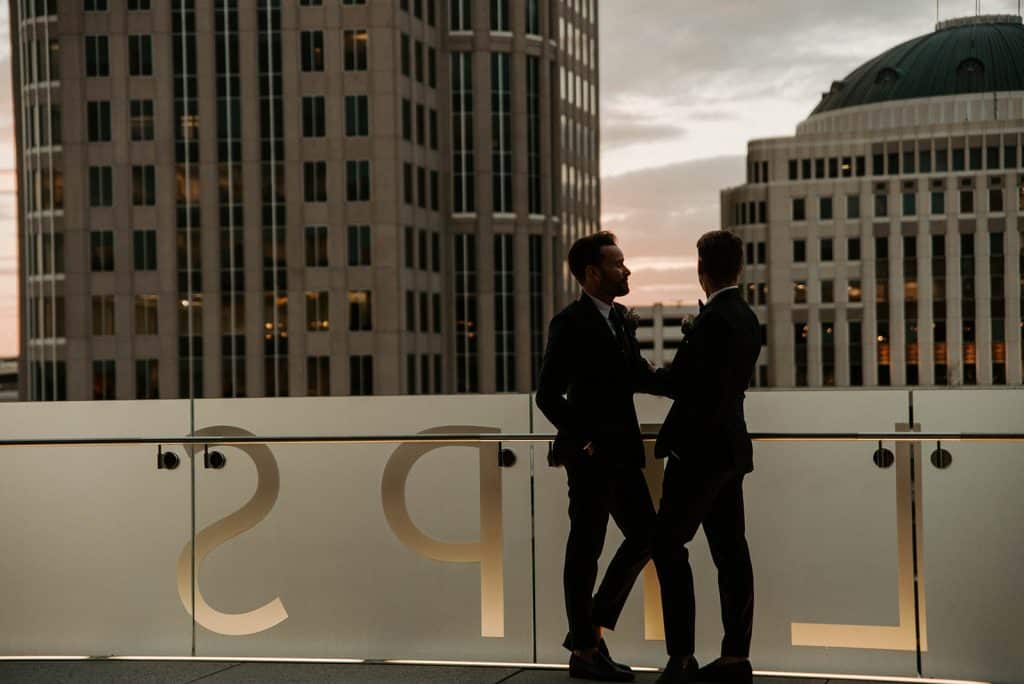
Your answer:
<point x="586" y="387"/>
<point x="708" y="379"/>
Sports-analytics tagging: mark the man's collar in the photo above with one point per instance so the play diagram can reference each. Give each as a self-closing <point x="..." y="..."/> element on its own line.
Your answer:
<point x="604" y="309"/>
<point x="718" y="292"/>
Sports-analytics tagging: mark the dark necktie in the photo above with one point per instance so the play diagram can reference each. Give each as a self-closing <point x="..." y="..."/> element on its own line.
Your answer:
<point x="616" y="321"/>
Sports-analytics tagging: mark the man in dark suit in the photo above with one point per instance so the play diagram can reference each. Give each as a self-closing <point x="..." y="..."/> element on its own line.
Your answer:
<point x="592" y="367"/>
<point x="705" y="439"/>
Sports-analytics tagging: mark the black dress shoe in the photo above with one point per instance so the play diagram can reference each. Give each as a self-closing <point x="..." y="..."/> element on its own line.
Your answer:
<point x="679" y="671"/>
<point x="603" y="648"/>
<point x="720" y="672"/>
<point x="597" y="668"/>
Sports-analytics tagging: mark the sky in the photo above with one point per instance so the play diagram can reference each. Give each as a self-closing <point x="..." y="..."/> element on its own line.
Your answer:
<point x="684" y="87"/>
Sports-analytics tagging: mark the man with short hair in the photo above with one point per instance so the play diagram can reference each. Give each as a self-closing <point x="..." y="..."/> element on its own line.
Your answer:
<point x="709" y="452"/>
<point x="592" y="367"/>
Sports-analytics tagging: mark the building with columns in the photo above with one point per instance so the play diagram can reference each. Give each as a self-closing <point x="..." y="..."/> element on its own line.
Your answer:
<point x="883" y="240"/>
<point x="321" y="197"/>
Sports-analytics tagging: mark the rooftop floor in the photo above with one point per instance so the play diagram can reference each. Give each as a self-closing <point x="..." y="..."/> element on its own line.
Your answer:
<point x="186" y="672"/>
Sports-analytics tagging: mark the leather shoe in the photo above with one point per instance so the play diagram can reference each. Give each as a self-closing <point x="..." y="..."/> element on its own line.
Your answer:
<point x="679" y="671"/>
<point x="719" y="672"/>
<point x="597" y="668"/>
<point x="603" y="648"/>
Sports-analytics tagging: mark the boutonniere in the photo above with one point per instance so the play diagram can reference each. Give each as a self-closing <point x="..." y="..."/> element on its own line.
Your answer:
<point x="632" y="319"/>
<point x="687" y="324"/>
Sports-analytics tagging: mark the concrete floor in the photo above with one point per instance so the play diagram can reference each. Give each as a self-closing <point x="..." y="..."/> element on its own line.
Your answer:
<point x="186" y="672"/>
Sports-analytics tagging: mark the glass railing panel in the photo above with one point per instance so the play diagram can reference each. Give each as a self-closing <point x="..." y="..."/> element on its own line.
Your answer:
<point x="92" y="535"/>
<point x="822" y="527"/>
<point x="973" y="521"/>
<point x="380" y="550"/>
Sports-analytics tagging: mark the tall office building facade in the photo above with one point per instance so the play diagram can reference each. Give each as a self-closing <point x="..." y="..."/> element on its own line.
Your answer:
<point x="884" y="241"/>
<point x="321" y="197"/>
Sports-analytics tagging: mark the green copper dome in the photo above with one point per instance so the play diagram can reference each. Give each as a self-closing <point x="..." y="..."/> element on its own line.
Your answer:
<point x="972" y="55"/>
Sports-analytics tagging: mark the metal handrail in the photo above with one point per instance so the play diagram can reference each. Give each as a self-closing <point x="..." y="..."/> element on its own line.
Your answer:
<point x="498" y="438"/>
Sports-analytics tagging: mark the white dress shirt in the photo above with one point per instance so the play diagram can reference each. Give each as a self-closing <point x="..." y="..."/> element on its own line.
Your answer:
<point x="605" y="309"/>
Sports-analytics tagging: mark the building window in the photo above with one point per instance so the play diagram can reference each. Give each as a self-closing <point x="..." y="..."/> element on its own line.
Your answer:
<point x="853" y="249"/>
<point x="465" y="274"/>
<point x="463" y="166"/>
<point x="315" y="181"/>
<point x="311" y="46"/>
<point x="97" y="56"/>
<point x="432" y="67"/>
<point x="406" y="120"/>
<point x="800" y="352"/>
<point x="501" y="129"/>
<point x="995" y="200"/>
<point x="433" y="129"/>
<point x="435" y="191"/>
<point x="318" y="316"/>
<point x="853" y="291"/>
<point x="967" y="201"/>
<point x="103" y="315"/>
<point x="138" y="5"/>
<point x="406" y="55"/>
<point x="424" y="312"/>
<point x="827" y="292"/>
<point x="407" y="183"/>
<point x="147" y="379"/>
<point x="359" y="248"/>
<point x="799" y="209"/>
<point x="881" y="205"/>
<point x="410" y="373"/>
<point x="101" y="244"/>
<point x="313" y="117"/>
<point x="144" y="249"/>
<point x="828" y="354"/>
<point x="360" y="369"/>
<point x="855" y="346"/>
<point x="318" y="376"/>
<point x="939" y="309"/>
<point x="99" y="121"/>
<point x="94" y="5"/>
<point x="826" y="249"/>
<point x="435" y="252"/>
<point x="410" y="247"/>
<point x="938" y="202"/>
<point x="762" y="253"/>
<point x="533" y="132"/>
<point x="356" y="50"/>
<point x="357" y="115"/>
<point x="316" y="246"/>
<point x="410" y="311"/>
<point x="799" y="251"/>
<point x="504" y="312"/>
<point x="146" y="314"/>
<point x="101" y="186"/>
<point x="853" y="206"/>
<point x="825" y="208"/>
<point x="460" y="15"/>
<point x="421" y="187"/>
<point x="144" y="186"/>
<point x="104" y="380"/>
<point x="436" y="306"/>
<point x="910" y="204"/>
<point x="998" y="306"/>
<point x="358" y="173"/>
<point x="360" y="314"/>
<point x="421" y="125"/>
<point x="800" y="292"/>
<point x="418" y="53"/>
<point x="140" y="55"/>
<point x="499" y="15"/>
<point x="141" y="120"/>
<point x="533" y="17"/>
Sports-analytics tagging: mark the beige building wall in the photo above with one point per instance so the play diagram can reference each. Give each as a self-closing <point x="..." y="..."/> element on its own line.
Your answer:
<point x="59" y="283"/>
<point x="987" y="126"/>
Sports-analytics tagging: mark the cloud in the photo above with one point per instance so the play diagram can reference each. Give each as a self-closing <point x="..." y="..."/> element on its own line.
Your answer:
<point x="624" y="134"/>
<point x="658" y="214"/>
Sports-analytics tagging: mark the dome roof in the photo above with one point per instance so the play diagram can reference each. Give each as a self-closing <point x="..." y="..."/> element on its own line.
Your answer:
<point x="970" y="55"/>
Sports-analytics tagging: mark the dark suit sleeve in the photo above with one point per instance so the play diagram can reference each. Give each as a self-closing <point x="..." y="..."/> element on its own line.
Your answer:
<point x="554" y="378"/>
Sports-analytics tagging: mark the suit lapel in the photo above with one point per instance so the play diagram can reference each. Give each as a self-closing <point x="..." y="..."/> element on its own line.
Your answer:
<point x="600" y="326"/>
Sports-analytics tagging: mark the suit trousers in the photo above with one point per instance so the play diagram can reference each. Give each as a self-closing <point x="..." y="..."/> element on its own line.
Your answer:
<point x="597" y="490"/>
<point x="694" y="496"/>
